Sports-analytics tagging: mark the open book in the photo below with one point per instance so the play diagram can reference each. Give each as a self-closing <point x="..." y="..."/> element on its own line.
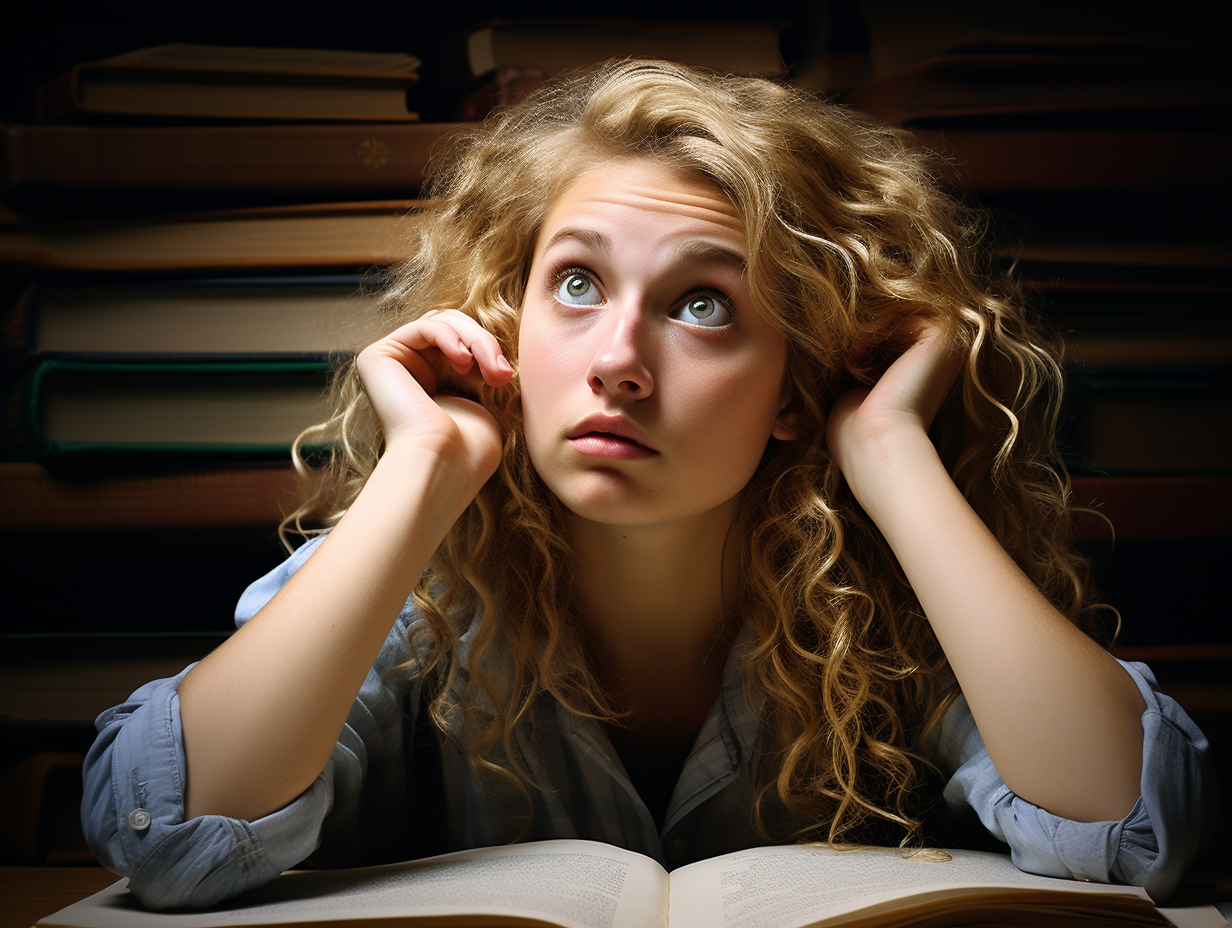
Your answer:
<point x="585" y="884"/>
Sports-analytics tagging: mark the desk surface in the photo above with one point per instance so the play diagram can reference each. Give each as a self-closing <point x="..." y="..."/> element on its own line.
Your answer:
<point x="30" y="893"/>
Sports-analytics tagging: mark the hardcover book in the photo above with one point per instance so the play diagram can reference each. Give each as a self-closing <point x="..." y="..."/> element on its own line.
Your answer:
<point x="342" y="235"/>
<point x="226" y="82"/>
<point x="307" y="317"/>
<point x="69" y="168"/>
<point x="65" y="407"/>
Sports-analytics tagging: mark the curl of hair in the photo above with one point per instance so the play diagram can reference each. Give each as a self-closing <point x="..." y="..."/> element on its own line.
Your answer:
<point x="848" y="234"/>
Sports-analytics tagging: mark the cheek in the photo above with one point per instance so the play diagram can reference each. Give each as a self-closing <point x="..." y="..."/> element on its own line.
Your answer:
<point x="733" y="419"/>
<point x="541" y="374"/>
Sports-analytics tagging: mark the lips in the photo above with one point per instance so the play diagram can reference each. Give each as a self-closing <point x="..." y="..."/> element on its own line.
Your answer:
<point x="607" y="435"/>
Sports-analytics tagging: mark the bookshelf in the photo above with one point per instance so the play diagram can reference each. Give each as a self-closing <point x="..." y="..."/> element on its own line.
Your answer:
<point x="1174" y="530"/>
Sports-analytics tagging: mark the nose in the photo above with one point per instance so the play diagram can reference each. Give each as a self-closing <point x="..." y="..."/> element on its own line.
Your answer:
<point x="619" y="364"/>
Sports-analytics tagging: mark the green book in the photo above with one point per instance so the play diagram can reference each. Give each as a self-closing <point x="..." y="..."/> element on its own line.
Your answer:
<point x="64" y="408"/>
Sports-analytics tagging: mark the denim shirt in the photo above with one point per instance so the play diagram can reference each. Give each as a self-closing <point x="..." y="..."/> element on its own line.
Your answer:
<point x="392" y="790"/>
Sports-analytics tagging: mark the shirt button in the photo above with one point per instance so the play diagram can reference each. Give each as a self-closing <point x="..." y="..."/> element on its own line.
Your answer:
<point x="139" y="820"/>
<point x="676" y="849"/>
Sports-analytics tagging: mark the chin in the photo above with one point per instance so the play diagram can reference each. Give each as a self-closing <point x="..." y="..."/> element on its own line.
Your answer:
<point x="612" y="509"/>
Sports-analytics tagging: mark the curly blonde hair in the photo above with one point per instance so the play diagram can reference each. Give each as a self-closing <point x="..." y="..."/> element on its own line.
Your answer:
<point x="848" y="234"/>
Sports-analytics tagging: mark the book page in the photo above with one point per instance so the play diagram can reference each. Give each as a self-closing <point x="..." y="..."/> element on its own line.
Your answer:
<point x="574" y="884"/>
<point x="795" y="886"/>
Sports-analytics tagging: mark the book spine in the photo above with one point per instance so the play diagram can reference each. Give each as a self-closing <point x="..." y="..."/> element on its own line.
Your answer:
<point x="1081" y="160"/>
<point x="24" y="438"/>
<point x="16" y="344"/>
<point x="1153" y="506"/>
<point x="1139" y="422"/>
<point x="366" y="161"/>
<point x="120" y="318"/>
<point x="336" y="236"/>
<point x="33" y="498"/>
<point x="58" y="99"/>
<point x="27" y="439"/>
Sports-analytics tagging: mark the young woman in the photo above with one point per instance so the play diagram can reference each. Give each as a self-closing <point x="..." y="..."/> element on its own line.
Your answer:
<point x="703" y="496"/>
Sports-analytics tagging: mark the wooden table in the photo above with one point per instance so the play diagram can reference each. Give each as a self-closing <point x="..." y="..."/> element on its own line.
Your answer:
<point x="30" y="893"/>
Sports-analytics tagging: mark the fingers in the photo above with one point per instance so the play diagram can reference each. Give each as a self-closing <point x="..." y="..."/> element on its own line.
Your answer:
<point x="943" y="363"/>
<point x="425" y="381"/>
<point x="445" y="351"/>
<point x="926" y="370"/>
<point x="923" y="334"/>
<point x="461" y="341"/>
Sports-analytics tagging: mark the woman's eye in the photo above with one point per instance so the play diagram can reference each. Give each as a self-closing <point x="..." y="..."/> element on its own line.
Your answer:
<point x="578" y="289"/>
<point x="704" y="310"/>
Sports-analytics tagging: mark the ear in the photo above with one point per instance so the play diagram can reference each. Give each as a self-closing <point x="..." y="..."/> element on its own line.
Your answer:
<point x="785" y="428"/>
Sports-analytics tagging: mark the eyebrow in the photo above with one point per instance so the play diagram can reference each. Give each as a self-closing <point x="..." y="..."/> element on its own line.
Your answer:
<point x="708" y="251"/>
<point x="689" y="251"/>
<point x="596" y="241"/>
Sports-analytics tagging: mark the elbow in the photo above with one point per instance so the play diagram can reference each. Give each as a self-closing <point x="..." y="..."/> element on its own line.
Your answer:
<point x="169" y="862"/>
<point x="200" y="863"/>
<point x="1172" y="822"/>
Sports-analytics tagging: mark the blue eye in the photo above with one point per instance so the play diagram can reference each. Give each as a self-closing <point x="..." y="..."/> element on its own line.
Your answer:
<point x="705" y="310"/>
<point x="578" y="289"/>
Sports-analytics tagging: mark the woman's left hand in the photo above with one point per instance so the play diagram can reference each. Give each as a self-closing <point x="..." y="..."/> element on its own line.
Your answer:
<point x="866" y="426"/>
<point x="1059" y="716"/>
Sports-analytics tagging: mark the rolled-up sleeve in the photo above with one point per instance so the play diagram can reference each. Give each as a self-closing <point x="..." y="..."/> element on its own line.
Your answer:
<point x="134" y="778"/>
<point x="1150" y="847"/>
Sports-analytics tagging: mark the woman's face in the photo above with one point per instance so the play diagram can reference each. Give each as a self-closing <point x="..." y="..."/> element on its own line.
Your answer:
<point x="650" y="383"/>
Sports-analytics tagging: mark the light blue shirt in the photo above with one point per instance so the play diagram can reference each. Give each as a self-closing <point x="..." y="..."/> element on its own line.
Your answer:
<point x="391" y="791"/>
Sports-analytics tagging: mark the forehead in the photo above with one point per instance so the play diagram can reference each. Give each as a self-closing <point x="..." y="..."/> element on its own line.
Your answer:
<point x="643" y="192"/>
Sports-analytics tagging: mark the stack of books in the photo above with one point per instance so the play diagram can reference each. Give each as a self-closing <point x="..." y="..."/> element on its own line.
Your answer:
<point x="1093" y="154"/>
<point x="499" y="62"/>
<point x="1101" y="160"/>
<point x="191" y="232"/>
<point x="188" y="242"/>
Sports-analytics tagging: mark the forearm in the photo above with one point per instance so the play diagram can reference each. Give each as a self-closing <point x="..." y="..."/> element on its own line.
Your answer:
<point x="262" y="713"/>
<point x="1060" y="718"/>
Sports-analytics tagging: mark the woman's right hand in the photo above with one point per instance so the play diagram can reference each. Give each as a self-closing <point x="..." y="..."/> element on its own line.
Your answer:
<point x="261" y="714"/>
<point x="425" y="381"/>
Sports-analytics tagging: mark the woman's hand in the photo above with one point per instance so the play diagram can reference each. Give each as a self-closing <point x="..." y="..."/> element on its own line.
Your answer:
<point x="867" y="426"/>
<point x="425" y="381"/>
<point x="1059" y="716"/>
<point x="261" y="713"/>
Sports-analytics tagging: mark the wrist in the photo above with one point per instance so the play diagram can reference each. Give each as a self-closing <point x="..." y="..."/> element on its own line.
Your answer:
<point x="417" y="472"/>
<point x="889" y="465"/>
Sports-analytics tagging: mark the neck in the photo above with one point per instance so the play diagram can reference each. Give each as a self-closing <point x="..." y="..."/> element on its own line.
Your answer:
<point x="653" y="604"/>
